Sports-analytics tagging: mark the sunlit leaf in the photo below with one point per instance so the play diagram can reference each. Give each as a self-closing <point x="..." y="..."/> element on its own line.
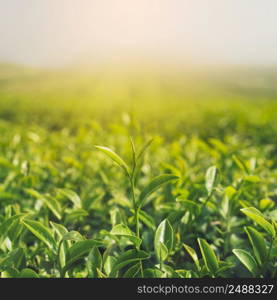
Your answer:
<point x="125" y="231"/>
<point x="247" y="260"/>
<point x="193" y="255"/>
<point x="72" y="196"/>
<point x="255" y="215"/>
<point x="211" y="178"/>
<point x="163" y="242"/>
<point x="115" y="157"/>
<point x="208" y="255"/>
<point x="258" y="244"/>
<point x="42" y="232"/>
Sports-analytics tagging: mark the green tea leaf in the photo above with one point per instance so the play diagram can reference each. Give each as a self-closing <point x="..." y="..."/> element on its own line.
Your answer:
<point x="154" y="184"/>
<point x="33" y="193"/>
<point x="247" y="260"/>
<point x="163" y="242"/>
<point x="121" y="229"/>
<point x="223" y="266"/>
<point x="42" y="232"/>
<point x="208" y="255"/>
<point x="252" y="178"/>
<point x="7" y="225"/>
<point x="258" y="244"/>
<point x="153" y="273"/>
<point x="115" y="157"/>
<point x="184" y="273"/>
<point x="255" y="215"/>
<point x="28" y="273"/>
<point x="10" y="273"/>
<point x="100" y="274"/>
<point x="169" y="272"/>
<point x="12" y="260"/>
<point x="266" y="203"/>
<point x="147" y="219"/>
<point x="210" y="178"/>
<point x="240" y="163"/>
<point x="133" y="271"/>
<point x="109" y="263"/>
<point x="94" y="262"/>
<point x="161" y="252"/>
<point x="128" y="257"/>
<point x="125" y="231"/>
<point x="80" y="249"/>
<point x="226" y="201"/>
<point x="193" y="255"/>
<point x="73" y="236"/>
<point x="59" y="229"/>
<point x="72" y="196"/>
<point x="53" y="205"/>
<point x="75" y="215"/>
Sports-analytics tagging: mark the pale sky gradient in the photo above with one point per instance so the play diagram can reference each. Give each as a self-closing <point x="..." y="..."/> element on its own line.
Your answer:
<point x="49" y="32"/>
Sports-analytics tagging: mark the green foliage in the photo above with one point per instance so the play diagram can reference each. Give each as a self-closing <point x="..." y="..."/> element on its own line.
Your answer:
<point x="153" y="185"/>
<point x="79" y="250"/>
<point x="209" y="256"/>
<point x="42" y="232"/>
<point x="258" y="217"/>
<point x="258" y="244"/>
<point x="211" y="176"/>
<point x="193" y="194"/>
<point x="163" y="240"/>
<point x="94" y="262"/>
<point x="247" y="260"/>
<point x="123" y="230"/>
<point x="116" y="158"/>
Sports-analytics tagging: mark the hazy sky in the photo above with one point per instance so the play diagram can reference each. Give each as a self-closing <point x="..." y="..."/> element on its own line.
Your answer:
<point x="43" y="32"/>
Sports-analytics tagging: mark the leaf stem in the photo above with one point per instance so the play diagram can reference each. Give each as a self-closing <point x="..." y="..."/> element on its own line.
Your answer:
<point x="136" y="208"/>
<point x="208" y="199"/>
<point x="268" y="254"/>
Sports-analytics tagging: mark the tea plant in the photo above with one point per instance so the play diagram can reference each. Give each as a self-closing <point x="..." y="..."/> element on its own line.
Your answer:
<point x="197" y="234"/>
<point x="193" y="194"/>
